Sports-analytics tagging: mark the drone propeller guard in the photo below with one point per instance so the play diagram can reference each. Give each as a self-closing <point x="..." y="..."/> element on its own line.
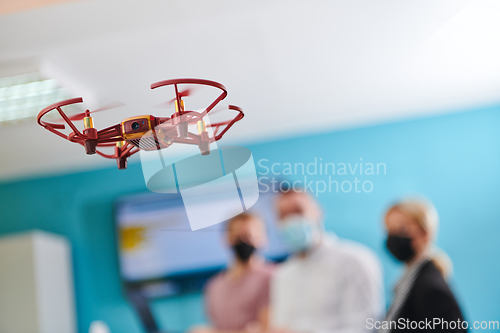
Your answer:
<point x="162" y="131"/>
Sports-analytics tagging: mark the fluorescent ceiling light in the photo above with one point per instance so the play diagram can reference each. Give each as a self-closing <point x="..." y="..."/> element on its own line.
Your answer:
<point x="23" y="96"/>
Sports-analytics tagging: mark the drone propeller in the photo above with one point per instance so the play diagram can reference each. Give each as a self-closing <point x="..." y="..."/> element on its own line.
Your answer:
<point x="218" y="109"/>
<point x="80" y="116"/>
<point x="184" y="93"/>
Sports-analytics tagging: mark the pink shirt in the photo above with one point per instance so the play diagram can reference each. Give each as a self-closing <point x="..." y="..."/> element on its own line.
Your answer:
<point x="233" y="303"/>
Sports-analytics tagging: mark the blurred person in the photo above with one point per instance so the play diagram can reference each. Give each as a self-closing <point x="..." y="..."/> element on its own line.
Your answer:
<point x="422" y="292"/>
<point x="237" y="299"/>
<point x="329" y="284"/>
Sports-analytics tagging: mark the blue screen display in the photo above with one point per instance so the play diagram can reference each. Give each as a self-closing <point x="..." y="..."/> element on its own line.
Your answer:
<point x="155" y="239"/>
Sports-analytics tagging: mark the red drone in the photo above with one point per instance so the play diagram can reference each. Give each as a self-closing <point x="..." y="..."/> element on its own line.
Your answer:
<point x="145" y="132"/>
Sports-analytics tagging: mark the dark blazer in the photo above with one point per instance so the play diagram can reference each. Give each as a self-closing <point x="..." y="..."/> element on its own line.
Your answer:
<point x="429" y="298"/>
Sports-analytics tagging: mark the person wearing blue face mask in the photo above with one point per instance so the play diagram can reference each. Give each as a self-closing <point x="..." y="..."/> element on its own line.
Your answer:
<point x="328" y="284"/>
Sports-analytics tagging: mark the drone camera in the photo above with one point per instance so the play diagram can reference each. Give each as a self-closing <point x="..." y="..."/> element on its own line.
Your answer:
<point x="133" y="129"/>
<point x="140" y="132"/>
<point x="136" y="125"/>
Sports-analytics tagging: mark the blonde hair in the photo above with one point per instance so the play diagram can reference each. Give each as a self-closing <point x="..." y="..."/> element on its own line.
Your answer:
<point x="425" y="214"/>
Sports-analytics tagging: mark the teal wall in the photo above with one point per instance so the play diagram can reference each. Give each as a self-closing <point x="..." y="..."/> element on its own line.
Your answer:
<point x="453" y="160"/>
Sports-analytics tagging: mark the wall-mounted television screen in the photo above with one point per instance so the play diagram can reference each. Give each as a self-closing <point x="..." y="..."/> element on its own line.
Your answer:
<point x="157" y="248"/>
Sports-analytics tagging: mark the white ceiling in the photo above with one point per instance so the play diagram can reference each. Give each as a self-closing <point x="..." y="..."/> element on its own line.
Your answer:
<point x="295" y="67"/>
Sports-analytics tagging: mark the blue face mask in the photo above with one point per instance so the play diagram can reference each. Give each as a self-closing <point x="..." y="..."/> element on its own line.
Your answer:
<point x="297" y="233"/>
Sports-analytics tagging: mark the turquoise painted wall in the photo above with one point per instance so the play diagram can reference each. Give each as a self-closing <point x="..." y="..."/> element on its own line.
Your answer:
<point x="452" y="159"/>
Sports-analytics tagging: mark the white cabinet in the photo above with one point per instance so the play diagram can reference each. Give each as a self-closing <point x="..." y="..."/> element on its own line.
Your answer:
<point x="36" y="284"/>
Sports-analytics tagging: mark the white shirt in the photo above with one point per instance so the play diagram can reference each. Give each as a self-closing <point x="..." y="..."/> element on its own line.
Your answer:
<point x="336" y="288"/>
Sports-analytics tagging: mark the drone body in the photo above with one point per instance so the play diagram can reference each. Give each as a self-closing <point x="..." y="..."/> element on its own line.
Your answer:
<point x="145" y="132"/>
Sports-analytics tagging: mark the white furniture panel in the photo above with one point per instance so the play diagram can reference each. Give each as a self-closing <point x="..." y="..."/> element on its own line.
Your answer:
<point x="36" y="284"/>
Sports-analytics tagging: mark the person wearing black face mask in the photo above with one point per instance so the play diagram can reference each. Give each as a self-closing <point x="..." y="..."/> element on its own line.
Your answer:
<point x="243" y="250"/>
<point x="400" y="247"/>
<point x="237" y="299"/>
<point x="422" y="294"/>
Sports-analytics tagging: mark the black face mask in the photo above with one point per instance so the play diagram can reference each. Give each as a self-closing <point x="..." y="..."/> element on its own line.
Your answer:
<point x="243" y="250"/>
<point x="400" y="247"/>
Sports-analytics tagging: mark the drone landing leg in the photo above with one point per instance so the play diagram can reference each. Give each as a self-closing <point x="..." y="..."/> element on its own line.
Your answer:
<point x="90" y="146"/>
<point x="204" y="149"/>
<point x="121" y="162"/>
<point x="182" y="129"/>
